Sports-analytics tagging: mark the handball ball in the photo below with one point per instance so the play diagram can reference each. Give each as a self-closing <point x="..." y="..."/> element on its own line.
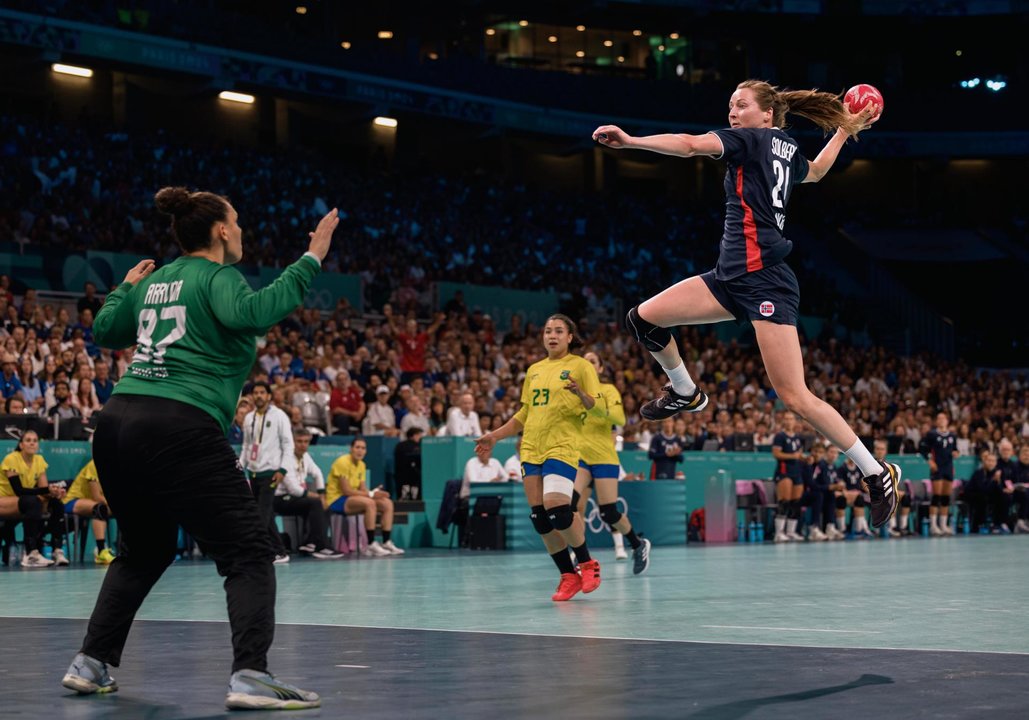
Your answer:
<point x="861" y="95"/>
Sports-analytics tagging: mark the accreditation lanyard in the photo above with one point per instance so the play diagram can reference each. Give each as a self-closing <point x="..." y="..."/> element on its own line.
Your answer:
<point x="256" y="445"/>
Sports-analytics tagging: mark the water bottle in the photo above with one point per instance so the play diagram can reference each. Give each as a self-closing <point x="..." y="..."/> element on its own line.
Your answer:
<point x="753" y="531"/>
<point x="965" y="527"/>
<point x="760" y="531"/>
<point x="984" y="529"/>
<point x="48" y="552"/>
<point x="16" y="554"/>
<point x="741" y="532"/>
<point x="884" y="532"/>
<point x="925" y="527"/>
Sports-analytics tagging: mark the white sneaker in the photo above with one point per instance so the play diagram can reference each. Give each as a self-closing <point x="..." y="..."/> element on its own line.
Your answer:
<point x="833" y="533"/>
<point x="894" y="532"/>
<point x="59" y="558"/>
<point x="948" y="530"/>
<point x="620" y="553"/>
<point x="782" y="538"/>
<point x="1022" y="526"/>
<point x="375" y="549"/>
<point x="35" y="560"/>
<point x="817" y="535"/>
<point x="935" y="531"/>
<point x="308" y="548"/>
<point x="795" y="537"/>
<point x="280" y="560"/>
<point x="326" y="554"/>
<point x="391" y="548"/>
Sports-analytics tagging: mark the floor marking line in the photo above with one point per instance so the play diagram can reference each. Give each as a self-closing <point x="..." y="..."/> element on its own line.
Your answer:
<point x="791" y="629"/>
<point x="354" y="666"/>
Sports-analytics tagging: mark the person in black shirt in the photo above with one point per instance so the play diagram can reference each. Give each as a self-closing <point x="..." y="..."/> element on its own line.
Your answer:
<point x="751" y="280"/>
<point x="407" y="464"/>
<point x="817" y="496"/>
<point x="986" y="491"/>
<point x="852" y="495"/>
<point x="940" y="447"/>
<point x="788" y="450"/>
<point x="1020" y="481"/>
<point x="89" y="300"/>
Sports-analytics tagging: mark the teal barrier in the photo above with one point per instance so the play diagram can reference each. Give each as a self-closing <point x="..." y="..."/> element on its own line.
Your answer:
<point x="502" y="303"/>
<point x="70" y="270"/>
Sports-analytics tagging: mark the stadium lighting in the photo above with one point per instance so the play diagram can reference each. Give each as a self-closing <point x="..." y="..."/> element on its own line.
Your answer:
<point x="580" y="28"/>
<point x="580" y="53"/>
<point x="523" y="23"/>
<point x="673" y="36"/>
<point x="491" y="31"/>
<point x="996" y="85"/>
<point x="621" y="58"/>
<point x="637" y="33"/>
<point x="345" y="44"/>
<point x="383" y="121"/>
<point x="72" y="70"/>
<point x="660" y="48"/>
<point x="301" y="10"/>
<point x="236" y="97"/>
<point x="958" y="53"/>
<point x="552" y="38"/>
<point x="608" y="43"/>
<point x="385" y="34"/>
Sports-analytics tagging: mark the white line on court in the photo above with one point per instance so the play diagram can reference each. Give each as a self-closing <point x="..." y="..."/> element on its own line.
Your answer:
<point x="365" y="667"/>
<point x="791" y="629"/>
<point x="685" y="641"/>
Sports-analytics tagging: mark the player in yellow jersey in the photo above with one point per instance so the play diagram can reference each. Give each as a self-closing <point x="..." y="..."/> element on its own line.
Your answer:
<point x="599" y="466"/>
<point x="86" y="499"/>
<point x="25" y="494"/>
<point x="557" y="394"/>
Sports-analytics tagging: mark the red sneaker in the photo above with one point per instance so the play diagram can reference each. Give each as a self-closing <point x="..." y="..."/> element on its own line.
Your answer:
<point x="590" y="572"/>
<point x="570" y="584"/>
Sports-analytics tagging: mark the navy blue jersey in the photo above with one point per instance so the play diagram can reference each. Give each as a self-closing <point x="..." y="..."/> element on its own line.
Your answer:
<point x="762" y="166"/>
<point x="941" y="447"/>
<point x="823" y="475"/>
<point x="792" y="469"/>
<point x="852" y="477"/>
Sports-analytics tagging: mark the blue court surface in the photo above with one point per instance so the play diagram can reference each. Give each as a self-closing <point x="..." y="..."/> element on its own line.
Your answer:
<point x="899" y="628"/>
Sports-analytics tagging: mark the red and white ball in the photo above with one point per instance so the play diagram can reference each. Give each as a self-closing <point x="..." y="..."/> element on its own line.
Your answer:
<point x="861" y="95"/>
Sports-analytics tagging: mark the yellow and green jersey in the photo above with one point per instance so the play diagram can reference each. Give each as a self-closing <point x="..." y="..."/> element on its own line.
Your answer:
<point x="27" y="474"/>
<point x="552" y="417"/>
<point x="598" y="448"/>
<point x="194" y="324"/>
<point x="80" y="485"/>
<point x="344" y="470"/>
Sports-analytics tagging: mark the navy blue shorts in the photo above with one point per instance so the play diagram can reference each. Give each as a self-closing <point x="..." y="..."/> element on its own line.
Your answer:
<point x="771" y="293"/>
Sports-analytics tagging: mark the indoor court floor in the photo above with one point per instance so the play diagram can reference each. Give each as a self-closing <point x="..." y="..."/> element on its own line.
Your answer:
<point x="906" y="628"/>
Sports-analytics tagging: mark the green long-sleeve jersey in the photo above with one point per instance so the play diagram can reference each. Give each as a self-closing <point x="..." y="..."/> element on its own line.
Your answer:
<point x="194" y="323"/>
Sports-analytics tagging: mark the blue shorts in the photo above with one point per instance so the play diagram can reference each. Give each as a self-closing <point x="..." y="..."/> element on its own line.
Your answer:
<point x="549" y="467"/>
<point x="337" y="505"/>
<point x="771" y="293"/>
<point x="600" y="471"/>
<point x="69" y="506"/>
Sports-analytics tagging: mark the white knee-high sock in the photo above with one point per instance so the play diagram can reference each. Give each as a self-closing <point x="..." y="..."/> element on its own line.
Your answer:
<point x="863" y="459"/>
<point x="682" y="383"/>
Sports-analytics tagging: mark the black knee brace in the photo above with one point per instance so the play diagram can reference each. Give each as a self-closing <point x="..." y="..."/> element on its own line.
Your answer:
<point x="796" y="509"/>
<point x="540" y="521"/>
<point x="576" y="497"/>
<point x="30" y="507"/>
<point x="654" y="338"/>
<point x="783" y="508"/>
<point x="944" y="500"/>
<point x="841" y="502"/>
<point x="859" y="501"/>
<point x="936" y="501"/>
<point x="561" y="517"/>
<point x="100" y="511"/>
<point x="609" y="514"/>
<point x="905" y="502"/>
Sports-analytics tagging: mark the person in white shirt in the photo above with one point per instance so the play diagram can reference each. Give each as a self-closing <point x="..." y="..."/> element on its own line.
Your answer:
<point x="513" y="465"/>
<point x="463" y="421"/>
<point x="380" y="418"/>
<point x="266" y="453"/>
<point x="416" y="416"/>
<point x="478" y="471"/>
<point x="293" y="499"/>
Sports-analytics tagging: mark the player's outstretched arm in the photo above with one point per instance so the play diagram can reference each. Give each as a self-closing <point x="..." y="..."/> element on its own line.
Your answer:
<point x="677" y="144"/>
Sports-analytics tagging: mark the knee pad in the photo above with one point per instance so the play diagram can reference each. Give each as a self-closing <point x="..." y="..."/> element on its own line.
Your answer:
<point x="935" y="502"/>
<point x="841" y="502"/>
<point x="795" y="509"/>
<point x="859" y="501"/>
<point x="905" y="502"/>
<point x="30" y="507"/>
<point x="782" y="508"/>
<point x="654" y="338"/>
<point x="100" y="511"/>
<point x="540" y="521"/>
<point x="609" y="514"/>
<point x="561" y="517"/>
<point x="944" y="500"/>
